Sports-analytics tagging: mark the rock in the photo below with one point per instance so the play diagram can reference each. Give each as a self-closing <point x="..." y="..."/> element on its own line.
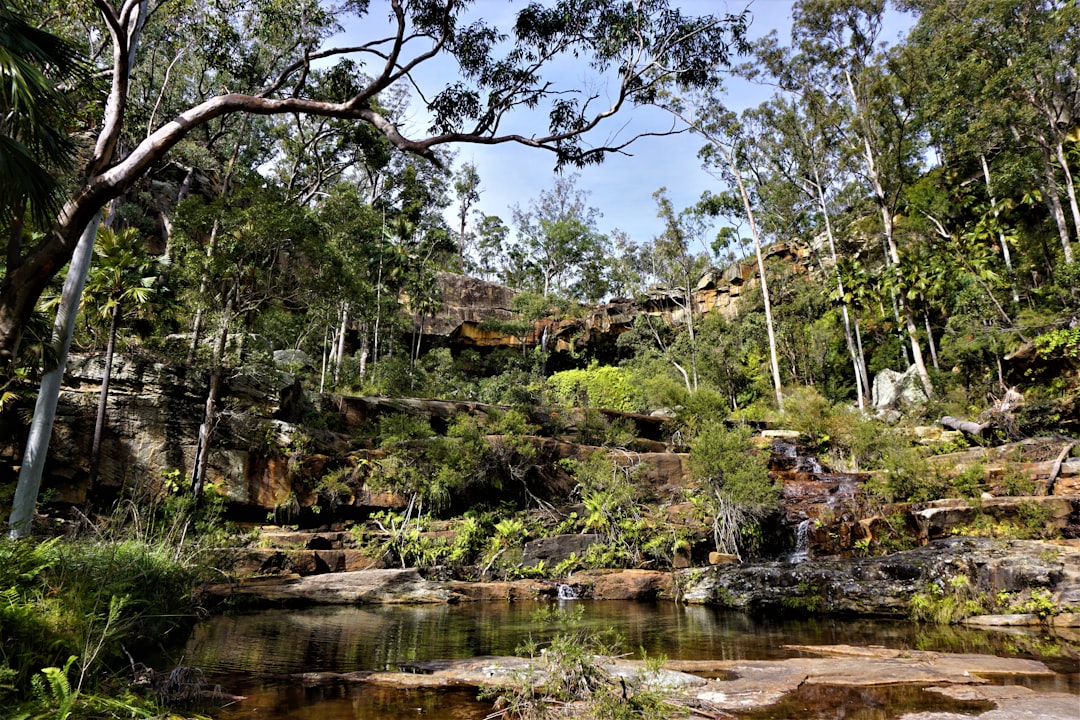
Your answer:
<point x="893" y="390"/>
<point x="744" y="685"/>
<point x="359" y="587"/>
<point x="516" y="591"/>
<point x="1014" y="702"/>
<point x="784" y="434"/>
<point x="289" y="359"/>
<point x="553" y="550"/>
<point x="884" y="585"/>
<point x="939" y="518"/>
<point x="1012" y="620"/>
<point x="623" y="584"/>
<point x="681" y="559"/>
<point x="719" y="558"/>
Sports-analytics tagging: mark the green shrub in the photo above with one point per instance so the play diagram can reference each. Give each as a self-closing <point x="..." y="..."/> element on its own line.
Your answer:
<point x="571" y="670"/>
<point x="735" y="481"/>
<point x="948" y="603"/>
<point x="969" y="482"/>
<point x="807" y="411"/>
<point x="597" y="386"/>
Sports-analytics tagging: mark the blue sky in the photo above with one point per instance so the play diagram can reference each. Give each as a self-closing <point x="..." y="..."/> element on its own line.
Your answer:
<point x="623" y="186"/>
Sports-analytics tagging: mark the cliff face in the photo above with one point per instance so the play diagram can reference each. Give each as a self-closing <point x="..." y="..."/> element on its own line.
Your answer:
<point x="477" y="313"/>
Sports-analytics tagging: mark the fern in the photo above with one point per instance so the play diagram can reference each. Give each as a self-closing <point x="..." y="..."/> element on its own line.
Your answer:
<point x="58" y="692"/>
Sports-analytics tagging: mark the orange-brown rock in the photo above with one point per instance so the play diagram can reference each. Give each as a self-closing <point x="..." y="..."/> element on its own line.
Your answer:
<point x="623" y="584"/>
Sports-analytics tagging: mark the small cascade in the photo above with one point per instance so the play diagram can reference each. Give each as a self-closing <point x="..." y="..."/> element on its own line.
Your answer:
<point x="808" y="464"/>
<point x="802" y="543"/>
<point x="567" y="592"/>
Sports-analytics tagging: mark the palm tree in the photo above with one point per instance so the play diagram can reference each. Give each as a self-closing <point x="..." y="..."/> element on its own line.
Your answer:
<point x="33" y="63"/>
<point x="122" y="276"/>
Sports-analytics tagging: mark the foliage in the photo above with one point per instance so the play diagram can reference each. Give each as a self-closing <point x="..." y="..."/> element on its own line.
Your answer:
<point x="807" y="411"/>
<point x="1035" y="601"/>
<point x="631" y="534"/>
<point x="1031" y="522"/>
<point x="735" y="480"/>
<point x="66" y="604"/>
<point x="572" y="671"/>
<point x="597" y="386"/>
<point x="948" y="602"/>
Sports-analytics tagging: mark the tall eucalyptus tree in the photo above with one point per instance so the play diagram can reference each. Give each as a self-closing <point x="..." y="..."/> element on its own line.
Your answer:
<point x="725" y="156"/>
<point x="839" y="39"/>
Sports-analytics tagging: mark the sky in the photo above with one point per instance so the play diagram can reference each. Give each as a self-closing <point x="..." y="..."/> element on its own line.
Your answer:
<point x="622" y="186"/>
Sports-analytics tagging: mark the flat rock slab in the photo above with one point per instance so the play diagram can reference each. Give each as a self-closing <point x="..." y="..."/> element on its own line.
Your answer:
<point x="409" y="586"/>
<point x="745" y="684"/>
<point x="1014" y="702"/>
<point x="359" y="587"/>
<point x="765" y="682"/>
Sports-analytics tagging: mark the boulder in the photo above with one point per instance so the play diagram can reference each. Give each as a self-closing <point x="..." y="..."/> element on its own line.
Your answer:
<point x="290" y="358"/>
<point x="359" y="587"/>
<point x="623" y="584"/>
<point x="893" y="390"/>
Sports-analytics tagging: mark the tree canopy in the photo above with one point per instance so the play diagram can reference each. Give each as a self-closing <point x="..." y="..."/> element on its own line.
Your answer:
<point x="271" y="58"/>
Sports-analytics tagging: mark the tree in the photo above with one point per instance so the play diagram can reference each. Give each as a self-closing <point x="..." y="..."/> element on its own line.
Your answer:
<point x="677" y="268"/>
<point x="260" y="241"/>
<point x="123" y="276"/>
<point x="735" y="482"/>
<point x="33" y="141"/>
<point x="1011" y="71"/>
<point x="724" y="154"/>
<point x="501" y="70"/>
<point x="838" y="38"/>
<point x="558" y="243"/>
<point x="491" y="237"/>
<point x="467" y="190"/>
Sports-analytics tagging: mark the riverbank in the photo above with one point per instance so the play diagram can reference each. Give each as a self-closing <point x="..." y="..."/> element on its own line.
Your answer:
<point x="994" y="576"/>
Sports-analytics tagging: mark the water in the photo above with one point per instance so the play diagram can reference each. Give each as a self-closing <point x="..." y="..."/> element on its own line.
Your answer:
<point x="567" y="592"/>
<point x="263" y="655"/>
<point x="802" y="543"/>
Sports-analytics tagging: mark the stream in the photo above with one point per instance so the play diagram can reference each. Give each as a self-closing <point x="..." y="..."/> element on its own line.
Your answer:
<point x="264" y="655"/>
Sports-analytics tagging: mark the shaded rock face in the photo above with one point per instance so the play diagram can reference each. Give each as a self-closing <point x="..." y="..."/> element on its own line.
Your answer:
<point x="553" y="550"/>
<point x="153" y="419"/>
<point x="884" y="585"/>
<point x="152" y="423"/>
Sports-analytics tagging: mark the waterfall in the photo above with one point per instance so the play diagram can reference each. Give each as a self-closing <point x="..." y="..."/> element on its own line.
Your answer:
<point x="567" y="592"/>
<point x="802" y="543"/>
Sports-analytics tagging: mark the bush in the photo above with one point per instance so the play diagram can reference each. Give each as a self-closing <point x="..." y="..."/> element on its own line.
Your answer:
<point x="572" y="670"/>
<point x="597" y="386"/>
<point x="807" y="411"/>
<point x="948" y="603"/>
<point x="735" y="480"/>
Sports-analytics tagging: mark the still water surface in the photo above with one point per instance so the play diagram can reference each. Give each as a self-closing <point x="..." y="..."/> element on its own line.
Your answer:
<point x="263" y="655"/>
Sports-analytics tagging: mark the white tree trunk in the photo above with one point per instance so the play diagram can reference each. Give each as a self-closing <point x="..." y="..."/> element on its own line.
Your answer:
<point x="37" y="442"/>
<point x="1053" y="204"/>
<point x="861" y="384"/>
<point x="1005" y="254"/>
<point x="1070" y="187"/>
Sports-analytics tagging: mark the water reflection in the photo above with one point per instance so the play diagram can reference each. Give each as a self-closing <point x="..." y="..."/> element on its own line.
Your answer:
<point x="261" y="654"/>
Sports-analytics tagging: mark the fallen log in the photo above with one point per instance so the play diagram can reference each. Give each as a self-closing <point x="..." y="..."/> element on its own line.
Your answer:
<point x="964" y="426"/>
<point x="1055" y="470"/>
